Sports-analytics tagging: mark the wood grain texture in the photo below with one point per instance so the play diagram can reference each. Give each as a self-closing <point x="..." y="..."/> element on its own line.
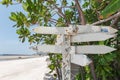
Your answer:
<point x="88" y="49"/>
<point x="81" y="60"/>
<point x="81" y="29"/>
<point x="87" y="37"/>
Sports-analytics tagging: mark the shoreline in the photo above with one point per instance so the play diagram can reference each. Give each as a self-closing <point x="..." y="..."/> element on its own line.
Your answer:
<point x="7" y="58"/>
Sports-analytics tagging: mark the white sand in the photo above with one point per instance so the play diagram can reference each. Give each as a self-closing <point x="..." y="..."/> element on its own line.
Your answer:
<point x="25" y="69"/>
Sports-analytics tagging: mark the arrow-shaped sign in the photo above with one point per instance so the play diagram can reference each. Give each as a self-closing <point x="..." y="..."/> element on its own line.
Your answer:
<point x="50" y="30"/>
<point x="93" y="49"/>
<point x="81" y="29"/>
<point x="80" y="59"/>
<point x="87" y="37"/>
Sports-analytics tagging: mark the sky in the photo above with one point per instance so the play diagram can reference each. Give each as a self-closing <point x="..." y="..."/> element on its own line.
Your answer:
<point x="9" y="41"/>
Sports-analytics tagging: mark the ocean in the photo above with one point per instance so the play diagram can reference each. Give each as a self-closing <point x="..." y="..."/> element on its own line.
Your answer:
<point x="5" y="58"/>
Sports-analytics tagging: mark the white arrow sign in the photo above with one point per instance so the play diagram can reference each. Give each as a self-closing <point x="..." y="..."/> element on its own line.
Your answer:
<point x="81" y="60"/>
<point x="81" y="29"/>
<point x="91" y="37"/>
<point x="93" y="49"/>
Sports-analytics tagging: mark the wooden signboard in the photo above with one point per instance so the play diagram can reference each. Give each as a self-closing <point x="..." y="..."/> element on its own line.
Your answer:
<point x="88" y="37"/>
<point x="87" y="49"/>
<point x="81" y="29"/>
<point x="81" y="60"/>
<point x="76" y="54"/>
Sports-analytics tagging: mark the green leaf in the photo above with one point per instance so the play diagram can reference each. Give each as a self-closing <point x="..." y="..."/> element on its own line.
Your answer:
<point x="101" y="42"/>
<point x="25" y="6"/>
<point x="52" y="67"/>
<point x="112" y="8"/>
<point x="6" y="2"/>
<point x="86" y="4"/>
<point x="64" y="2"/>
<point x="23" y="39"/>
<point x="13" y="16"/>
<point x="69" y="14"/>
<point x="18" y="32"/>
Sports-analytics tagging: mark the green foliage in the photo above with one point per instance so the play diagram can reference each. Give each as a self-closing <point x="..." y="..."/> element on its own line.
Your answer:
<point x="55" y="61"/>
<point x="69" y="14"/>
<point x="90" y="16"/>
<point x="111" y="8"/>
<point x="103" y="68"/>
<point x="60" y="22"/>
<point x="64" y="2"/>
<point x="35" y="38"/>
<point x="6" y="2"/>
<point x="23" y="32"/>
<point x="20" y="19"/>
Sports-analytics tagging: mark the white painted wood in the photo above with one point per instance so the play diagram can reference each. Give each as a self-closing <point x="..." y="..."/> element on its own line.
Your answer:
<point x="110" y="30"/>
<point x="66" y="57"/>
<point x="81" y="29"/>
<point x="87" y="37"/>
<point x="91" y="28"/>
<point x="93" y="49"/>
<point x="50" y="30"/>
<point x="49" y="48"/>
<point x="81" y="60"/>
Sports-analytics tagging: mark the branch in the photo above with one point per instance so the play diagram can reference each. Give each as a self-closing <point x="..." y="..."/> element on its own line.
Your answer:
<point x="67" y="7"/>
<point x="105" y="20"/>
<point x="114" y="21"/>
<point x="53" y="20"/>
<point x="60" y="13"/>
<point x="80" y="12"/>
<point x="92" y="69"/>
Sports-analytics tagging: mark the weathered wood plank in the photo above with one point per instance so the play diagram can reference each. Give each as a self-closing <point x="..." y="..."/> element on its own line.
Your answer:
<point x="66" y="58"/>
<point x="49" y="49"/>
<point x="81" y="29"/>
<point x="80" y="59"/>
<point x="93" y="49"/>
<point x="91" y="37"/>
<point x="50" y="30"/>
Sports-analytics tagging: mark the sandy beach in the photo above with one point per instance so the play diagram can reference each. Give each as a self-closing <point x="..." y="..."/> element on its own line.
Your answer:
<point x="24" y="69"/>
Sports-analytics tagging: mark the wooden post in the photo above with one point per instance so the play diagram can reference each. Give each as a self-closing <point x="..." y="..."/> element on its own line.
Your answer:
<point x="64" y="42"/>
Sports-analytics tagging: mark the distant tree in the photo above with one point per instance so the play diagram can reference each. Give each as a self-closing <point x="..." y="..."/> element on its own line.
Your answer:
<point x="63" y="13"/>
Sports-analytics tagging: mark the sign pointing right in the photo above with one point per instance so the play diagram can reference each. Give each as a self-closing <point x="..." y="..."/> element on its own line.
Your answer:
<point x="87" y="37"/>
<point x="87" y="49"/>
<point x="81" y="29"/>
